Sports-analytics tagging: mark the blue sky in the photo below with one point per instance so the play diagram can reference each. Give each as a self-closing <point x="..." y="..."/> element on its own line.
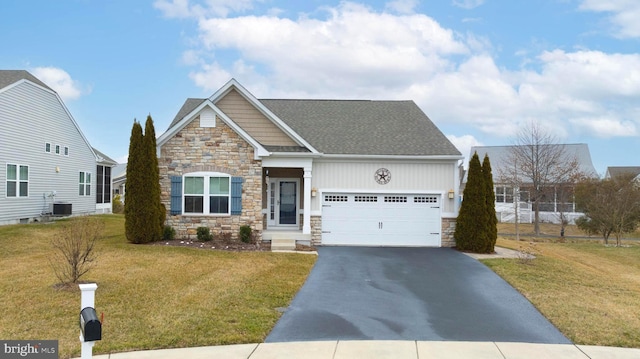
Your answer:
<point x="480" y="69"/>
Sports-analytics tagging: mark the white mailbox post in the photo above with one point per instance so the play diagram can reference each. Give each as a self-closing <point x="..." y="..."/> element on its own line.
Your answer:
<point x="87" y="300"/>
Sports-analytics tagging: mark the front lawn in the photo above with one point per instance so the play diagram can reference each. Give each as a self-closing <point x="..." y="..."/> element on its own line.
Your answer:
<point x="151" y="296"/>
<point x="589" y="291"/>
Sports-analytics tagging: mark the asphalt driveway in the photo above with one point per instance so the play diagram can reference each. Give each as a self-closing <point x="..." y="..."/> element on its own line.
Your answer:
<point x="367" y="293"/>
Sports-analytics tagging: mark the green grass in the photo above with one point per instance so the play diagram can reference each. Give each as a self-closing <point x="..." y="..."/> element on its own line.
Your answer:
<point x="151" y="296"/>
<point x="589" y="291"/>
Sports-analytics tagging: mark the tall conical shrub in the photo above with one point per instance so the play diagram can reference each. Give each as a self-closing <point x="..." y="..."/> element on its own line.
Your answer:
<point x="157" y="212"/>
<point x="490" y="198"/>
<point x="471" y="225"/>
<point x="134" y="204"/>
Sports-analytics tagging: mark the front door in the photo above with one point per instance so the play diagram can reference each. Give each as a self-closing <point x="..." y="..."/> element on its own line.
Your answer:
<point x="284" y="202"/>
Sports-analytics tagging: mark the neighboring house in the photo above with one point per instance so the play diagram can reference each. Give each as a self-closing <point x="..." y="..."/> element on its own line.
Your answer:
<point x="331" y="172"/>
<point x="104" y="181"/>
<point x="557" y="202"/>
<point x="119" y="174"/>
<point x="619" y="171"/>
<point x="47" y="166"/>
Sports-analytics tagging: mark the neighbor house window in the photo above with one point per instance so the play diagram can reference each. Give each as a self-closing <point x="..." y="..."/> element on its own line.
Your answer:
<point x="17" y="180"/>
<point x="66" y="150"/>
<point x="206" y="193"/>
<point x="57" y="149"/>
<point x="84" y="184"/>
<point x="504" y="194"/>
<point x="47" y="147"/>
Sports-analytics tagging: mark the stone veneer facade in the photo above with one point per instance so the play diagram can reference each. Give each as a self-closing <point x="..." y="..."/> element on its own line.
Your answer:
<point x="214" y="149"/>
<point x="448" y="229"/>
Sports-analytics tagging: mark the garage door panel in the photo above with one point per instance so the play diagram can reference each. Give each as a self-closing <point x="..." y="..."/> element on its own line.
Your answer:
<point x="381" y="220"/>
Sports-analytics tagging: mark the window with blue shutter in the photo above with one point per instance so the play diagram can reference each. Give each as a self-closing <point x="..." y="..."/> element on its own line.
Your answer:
<point x="236" y="195"/>
<point x="176" y="195"/>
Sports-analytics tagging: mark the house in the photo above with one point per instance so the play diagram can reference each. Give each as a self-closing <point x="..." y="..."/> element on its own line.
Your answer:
<point x="557" y="201"/>
<point x="329" y="172"/>
<point x="119" y="180"/>
<point x="614" y="171"/>
<point x="47" y="166"/>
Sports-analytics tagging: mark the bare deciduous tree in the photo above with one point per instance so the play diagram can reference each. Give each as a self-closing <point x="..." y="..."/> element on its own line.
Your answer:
<point x="611" y="206"/>
<point x="74" y="248"/>
<point x="541" y="166"/>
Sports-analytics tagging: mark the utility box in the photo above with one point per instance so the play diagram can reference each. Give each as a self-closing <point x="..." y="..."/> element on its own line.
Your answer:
<point x="90" y="325"/>
<point x="61" y="209"/>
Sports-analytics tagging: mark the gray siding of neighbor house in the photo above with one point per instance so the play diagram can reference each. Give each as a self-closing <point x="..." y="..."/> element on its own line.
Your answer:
<point x="31" y="116"/>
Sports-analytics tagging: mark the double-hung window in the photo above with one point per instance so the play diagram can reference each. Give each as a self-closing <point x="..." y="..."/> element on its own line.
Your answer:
<point x="17" y="180"/>
<point x="84" y="184"/>
<point x="206" y="193"/>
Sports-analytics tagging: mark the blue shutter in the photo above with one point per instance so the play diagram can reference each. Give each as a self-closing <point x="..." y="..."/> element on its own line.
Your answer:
<point x="236" y="195"/>
<point x="176" y="195"/>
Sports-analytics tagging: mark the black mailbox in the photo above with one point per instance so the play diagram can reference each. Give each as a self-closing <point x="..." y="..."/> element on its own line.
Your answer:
<point x="90" y="326"/>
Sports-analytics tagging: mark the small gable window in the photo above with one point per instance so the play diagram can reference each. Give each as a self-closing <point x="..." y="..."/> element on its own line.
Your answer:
<point x="57" y="149"/>
<point x="66" y="150"/>
<point x="47" y="147"/>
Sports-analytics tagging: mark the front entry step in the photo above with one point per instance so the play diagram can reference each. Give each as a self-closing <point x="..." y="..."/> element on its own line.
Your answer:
<point x="283" y="244"/>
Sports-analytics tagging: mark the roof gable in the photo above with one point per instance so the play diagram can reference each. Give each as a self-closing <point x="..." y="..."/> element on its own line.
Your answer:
<point x="615" y="171"/>
<point x="499" y="157"/>
<point x="9" y="77"/>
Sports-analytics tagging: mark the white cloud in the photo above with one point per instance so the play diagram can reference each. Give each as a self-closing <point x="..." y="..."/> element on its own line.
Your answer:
<point x="467" y="4"/>
<point x="624" y="15"/>
<point x="402" y="6"/>
<point x="356" y="52"/>
<point x="60" y="81"/>
<point x="464" y="144"/>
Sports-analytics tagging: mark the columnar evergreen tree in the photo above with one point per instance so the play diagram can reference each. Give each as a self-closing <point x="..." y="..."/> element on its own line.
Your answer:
<point x="472" y="224"/>
<point x="156" y="220"/>
<point x="490" y="197"/>
<point x="134" y="205"/>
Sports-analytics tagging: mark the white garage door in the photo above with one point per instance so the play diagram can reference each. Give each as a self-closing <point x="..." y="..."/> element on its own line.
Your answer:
<point x="381" y="219"/>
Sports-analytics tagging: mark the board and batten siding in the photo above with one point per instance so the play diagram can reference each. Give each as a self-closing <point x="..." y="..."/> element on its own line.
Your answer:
<point x="30" y="117"/>
<point x="415" y="177"/>
<point x="253" y="121"/>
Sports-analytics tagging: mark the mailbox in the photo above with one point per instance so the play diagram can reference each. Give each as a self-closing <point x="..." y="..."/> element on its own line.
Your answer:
<point x="90" y="326"/>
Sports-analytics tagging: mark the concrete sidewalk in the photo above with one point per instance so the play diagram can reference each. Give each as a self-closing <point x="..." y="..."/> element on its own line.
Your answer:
<point x="385" y="349"/>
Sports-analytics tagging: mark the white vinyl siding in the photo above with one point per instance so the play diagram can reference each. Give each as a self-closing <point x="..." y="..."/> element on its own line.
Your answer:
<point x="49" y="123"/>
<point x="431" y="176"/>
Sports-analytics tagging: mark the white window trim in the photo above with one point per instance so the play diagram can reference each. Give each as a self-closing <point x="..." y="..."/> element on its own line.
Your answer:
<point x="17" y="180"/>
<point x="45" y="147"/>
<point x="85" y="194"/>
<point x="205" y="195"/>
<point x="65" y="151"/>
<point x="57" y="149"/>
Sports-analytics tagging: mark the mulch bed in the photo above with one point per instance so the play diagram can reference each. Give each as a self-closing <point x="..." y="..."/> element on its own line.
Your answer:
<point x="232" y="246"/>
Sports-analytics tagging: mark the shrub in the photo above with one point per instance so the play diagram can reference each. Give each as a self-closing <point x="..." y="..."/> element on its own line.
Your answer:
<point x="245" y="234"/>
<point x="116" y="204"/>
<point x="203" y="234"/>
<point x="168" y="233"/>
<point x="74" y="248"/>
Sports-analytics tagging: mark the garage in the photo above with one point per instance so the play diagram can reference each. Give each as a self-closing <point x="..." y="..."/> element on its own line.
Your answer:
<point x="357" y="219"/>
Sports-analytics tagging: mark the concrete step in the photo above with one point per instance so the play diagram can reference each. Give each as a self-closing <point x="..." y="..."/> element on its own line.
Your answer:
<point x="283" y="244"/>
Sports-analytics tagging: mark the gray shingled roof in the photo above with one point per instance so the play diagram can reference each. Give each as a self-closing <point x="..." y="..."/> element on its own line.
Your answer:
<point x="8" y="77"/>
<point x="363" y="127"/>
<point x="618" y="171"/>
<point x="355" y="126"/>
<point x="499" y="157"/>
<point x="104" y="158"/>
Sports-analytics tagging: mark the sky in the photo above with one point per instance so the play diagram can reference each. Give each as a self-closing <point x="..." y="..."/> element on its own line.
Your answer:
<point x="480" y="69"/>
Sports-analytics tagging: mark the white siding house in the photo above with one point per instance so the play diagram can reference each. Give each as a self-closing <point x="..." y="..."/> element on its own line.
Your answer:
<point x="46" y="163"/>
